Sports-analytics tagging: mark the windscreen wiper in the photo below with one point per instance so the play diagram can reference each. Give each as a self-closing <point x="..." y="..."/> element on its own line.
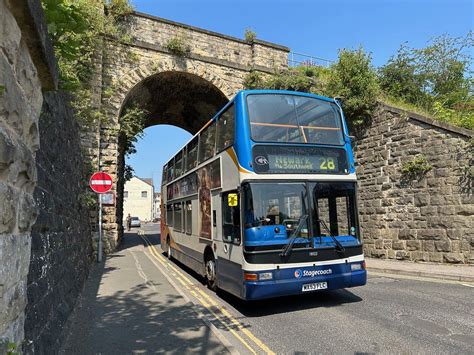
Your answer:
<point x="287" y="248"/>
<point x="339" y="246"/>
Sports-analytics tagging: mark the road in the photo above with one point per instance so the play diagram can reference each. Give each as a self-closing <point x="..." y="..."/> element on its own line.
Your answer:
<point x="389" y="314"/>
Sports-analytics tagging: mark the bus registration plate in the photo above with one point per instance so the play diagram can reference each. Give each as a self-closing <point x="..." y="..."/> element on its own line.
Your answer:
<point x="315" y="286"/>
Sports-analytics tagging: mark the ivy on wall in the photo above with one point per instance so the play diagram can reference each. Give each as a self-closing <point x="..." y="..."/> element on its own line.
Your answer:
<point x="79" y="29"/>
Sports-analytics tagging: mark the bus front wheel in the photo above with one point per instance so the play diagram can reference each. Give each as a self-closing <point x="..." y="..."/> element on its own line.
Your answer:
<point x="211" y="274"/>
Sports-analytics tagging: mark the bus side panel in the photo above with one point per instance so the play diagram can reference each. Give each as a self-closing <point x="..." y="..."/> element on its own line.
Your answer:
<point x="191" y="258"/>
<point x="230" y="276"/>
<point x="186" y="245"/>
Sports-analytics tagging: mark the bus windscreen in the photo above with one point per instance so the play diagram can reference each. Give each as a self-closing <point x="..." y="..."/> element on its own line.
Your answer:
<point x="286" y="118"/>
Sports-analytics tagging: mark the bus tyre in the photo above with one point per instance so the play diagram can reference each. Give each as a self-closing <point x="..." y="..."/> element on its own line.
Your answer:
<point x="211" y="274"/>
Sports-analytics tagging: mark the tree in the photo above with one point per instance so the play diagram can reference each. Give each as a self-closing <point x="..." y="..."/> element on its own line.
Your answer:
<point x="401" y="78"/>
<point x="436" y="78"/>
<point x="445" y="65"/>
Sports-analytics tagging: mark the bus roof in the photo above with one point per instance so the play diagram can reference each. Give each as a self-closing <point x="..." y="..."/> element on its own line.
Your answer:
<point x="243" y="93"/>
<point x="286" y="92"/>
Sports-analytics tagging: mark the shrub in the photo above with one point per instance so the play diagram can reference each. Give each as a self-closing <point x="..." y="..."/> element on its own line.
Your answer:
<point x="416" y="168"/>
<point x="254" y="80"/>
<point x="250" y="35"/>
<point x="178" y="46"/>
<point x="353" y="78"/>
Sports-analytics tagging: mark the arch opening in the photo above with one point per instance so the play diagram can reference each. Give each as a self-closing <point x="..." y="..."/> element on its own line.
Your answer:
<point x="176" y="98"/>
<point x="171" y="98"/>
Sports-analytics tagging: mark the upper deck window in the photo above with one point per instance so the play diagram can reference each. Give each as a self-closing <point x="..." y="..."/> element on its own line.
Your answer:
<point x="294" y="119"/>
<point x="178" y="164"/>
<point x="207" y="142"/>
<point x="191" y="154"/>
<point x="225" y="129"/>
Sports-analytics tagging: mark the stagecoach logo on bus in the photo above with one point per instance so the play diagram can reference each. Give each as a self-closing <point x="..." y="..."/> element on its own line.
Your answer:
<point x="311" y="273"/>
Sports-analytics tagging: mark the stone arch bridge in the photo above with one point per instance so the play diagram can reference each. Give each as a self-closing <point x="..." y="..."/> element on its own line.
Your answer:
<point x="180" y="90"/>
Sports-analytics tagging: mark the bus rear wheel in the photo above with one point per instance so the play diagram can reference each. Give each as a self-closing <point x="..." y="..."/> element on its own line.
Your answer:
<point x="211" y="275"/>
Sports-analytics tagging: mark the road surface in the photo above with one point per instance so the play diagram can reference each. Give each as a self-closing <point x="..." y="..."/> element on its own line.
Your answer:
<point x="389" y="314"/>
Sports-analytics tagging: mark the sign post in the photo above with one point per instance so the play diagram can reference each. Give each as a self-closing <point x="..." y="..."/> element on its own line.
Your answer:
<point x="100" y="183"/>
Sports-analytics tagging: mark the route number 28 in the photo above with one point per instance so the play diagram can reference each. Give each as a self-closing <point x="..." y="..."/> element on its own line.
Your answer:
<point x="327" y="164"/>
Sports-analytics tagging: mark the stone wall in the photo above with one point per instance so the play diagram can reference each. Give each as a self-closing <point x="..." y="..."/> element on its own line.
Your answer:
<point x="26" y="68"/>
<point x="429" y="217"/>
<point x="206" y="45"/>
<point x="61" y="250"/>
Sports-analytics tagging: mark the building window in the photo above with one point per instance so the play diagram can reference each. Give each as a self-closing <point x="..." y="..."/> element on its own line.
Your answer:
<point x="144" y="194"/>
<point x="125" y="194"/>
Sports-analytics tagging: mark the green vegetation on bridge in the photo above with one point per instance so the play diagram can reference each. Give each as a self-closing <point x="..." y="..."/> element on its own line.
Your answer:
<point x="433" y="81"/>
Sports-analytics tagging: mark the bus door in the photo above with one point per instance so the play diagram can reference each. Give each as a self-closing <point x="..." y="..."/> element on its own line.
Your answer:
<point x="229" y="267"/>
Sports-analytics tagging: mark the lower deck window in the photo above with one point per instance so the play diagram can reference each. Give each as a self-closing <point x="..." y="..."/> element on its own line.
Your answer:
<point x="177" y="215"/>
<point x="335" y="209"/>
<point x="169" y="215"/>
<point x="188" y="210"/>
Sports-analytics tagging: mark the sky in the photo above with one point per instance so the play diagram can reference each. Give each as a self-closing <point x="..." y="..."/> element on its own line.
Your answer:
<point x="313" y="27"/>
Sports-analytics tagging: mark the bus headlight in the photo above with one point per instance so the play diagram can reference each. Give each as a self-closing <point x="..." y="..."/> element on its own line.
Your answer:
<point x="265" y="276"/>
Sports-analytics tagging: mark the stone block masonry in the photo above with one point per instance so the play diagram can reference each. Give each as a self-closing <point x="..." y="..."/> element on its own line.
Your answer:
<point x="425" y="218"/>
<point x="61" y="250"/>
<point x="26" y="69"/>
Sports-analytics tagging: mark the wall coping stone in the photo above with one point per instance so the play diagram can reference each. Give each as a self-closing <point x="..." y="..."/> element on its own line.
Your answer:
<point x="211" y="33"/>
<point x="210" y="60"/>
<point x="31" y="19"/>
<point x="428" y="120"/>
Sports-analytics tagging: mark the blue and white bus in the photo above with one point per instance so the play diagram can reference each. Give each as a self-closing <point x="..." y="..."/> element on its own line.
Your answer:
<point x="262" y="200"/>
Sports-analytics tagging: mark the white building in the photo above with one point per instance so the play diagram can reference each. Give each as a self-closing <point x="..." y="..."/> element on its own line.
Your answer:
<point x="138" y="198"/>
<point x="157" y="205"/>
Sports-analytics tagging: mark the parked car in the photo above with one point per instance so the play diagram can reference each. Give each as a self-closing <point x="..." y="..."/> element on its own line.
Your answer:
<point x="135" y="222"/>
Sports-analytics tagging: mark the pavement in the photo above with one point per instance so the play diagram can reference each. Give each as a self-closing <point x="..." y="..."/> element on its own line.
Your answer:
<point x="448" y="272"/>
<point x="130" y="305"/>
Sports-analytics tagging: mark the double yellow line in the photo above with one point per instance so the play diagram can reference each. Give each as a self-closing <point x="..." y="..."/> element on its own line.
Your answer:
<point x="219" y="312"/>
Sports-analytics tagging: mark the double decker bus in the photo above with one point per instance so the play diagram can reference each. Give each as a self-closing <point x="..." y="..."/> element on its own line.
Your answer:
<point x="262" y="200"/>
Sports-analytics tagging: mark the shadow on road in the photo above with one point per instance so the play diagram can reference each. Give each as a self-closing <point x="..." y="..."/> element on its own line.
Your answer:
<point x="291" y="303"/>
<point x="280" y="304"/>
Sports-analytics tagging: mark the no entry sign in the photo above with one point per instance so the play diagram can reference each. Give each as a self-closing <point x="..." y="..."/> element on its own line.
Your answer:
<point x="100" y="182"/>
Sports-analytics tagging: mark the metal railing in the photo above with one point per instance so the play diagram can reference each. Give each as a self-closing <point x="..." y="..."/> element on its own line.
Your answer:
<point x="298" y="59"/>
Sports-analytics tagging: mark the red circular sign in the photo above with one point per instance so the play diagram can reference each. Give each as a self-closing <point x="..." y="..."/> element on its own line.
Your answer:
<point x="100" y="182"/>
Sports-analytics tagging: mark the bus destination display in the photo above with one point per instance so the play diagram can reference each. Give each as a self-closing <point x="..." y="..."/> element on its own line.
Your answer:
<point x="299" y="160"/>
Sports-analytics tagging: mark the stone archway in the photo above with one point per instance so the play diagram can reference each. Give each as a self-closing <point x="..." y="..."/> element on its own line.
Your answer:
<point x="144" y="71"/>
<point x="176" y="98"/>
<point x="172" y="97"/>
